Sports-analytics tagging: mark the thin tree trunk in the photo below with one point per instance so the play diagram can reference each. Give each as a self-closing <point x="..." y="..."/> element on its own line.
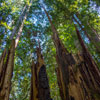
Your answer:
<point x="97" y="37"/>
<point x="7" y="60"/>
<point x="21" y="27"/>
<point x="40" y="86"/>
<point x="21" y="20"/>
<point x="91" y="39"/>
<point x="18" y="22"/>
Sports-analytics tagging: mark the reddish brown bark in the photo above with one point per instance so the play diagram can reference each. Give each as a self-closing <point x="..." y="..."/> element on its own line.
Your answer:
<point x="34" y="91"/>
<point x="75" y="88"/>
<point x="90" y="66"/>
<point x="3" y="65"/>
<point x="7" y="59"/>
<point x="83" y="78"/>
<point x="21" y="26"/>
<point x="61" y="83"/>
<point x="63" y="58"/>
<point x="40" y="85"/>
<point x="4" y="54"/>
<point x="7" y="73"/>
<point x="80" y="82"/>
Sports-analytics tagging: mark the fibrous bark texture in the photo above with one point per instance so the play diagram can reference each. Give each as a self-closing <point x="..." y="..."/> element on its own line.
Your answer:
<point x="7" y="64"/>
<point x="81" y="86"/>
<point x="90" y="69"/>
<point x="82" y="75"/>
<point x="74" y="85"/>
<point x="34" y="91"/>
<point x="22" y="25"/>
<point x="40" y="86"/>
<point x="90" y="62"/>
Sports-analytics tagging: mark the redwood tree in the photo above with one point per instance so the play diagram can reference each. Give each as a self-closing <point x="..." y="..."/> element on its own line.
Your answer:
<point x="7" y="58"/>
<point x="39" y="82"/>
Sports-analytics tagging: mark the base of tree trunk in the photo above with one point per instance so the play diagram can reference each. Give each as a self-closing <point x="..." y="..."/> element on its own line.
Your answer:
<point x="82" y="85"/>
<point x="39" y="83"/>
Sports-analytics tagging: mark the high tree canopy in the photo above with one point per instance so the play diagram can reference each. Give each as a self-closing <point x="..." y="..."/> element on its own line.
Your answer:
<point x="49" y="49"/>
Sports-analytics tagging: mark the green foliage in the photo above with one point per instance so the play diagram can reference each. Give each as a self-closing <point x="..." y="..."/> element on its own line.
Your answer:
<point x="37" y="27"/>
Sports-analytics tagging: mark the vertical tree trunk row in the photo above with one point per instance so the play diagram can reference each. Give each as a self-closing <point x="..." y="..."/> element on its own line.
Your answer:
<point x="6" y="75"/>
<point x="40" y="85"/>
<point x="76" y="86"/>
<point x="7" y="58"/>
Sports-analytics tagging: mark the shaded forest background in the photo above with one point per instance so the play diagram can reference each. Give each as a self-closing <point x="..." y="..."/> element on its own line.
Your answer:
<point x="34" y="28"/>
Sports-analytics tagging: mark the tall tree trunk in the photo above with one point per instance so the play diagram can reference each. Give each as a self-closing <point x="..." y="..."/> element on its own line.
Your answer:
<point x="83" y="78"/>
<point x="73" y="84"/>
<point x="42" y="80"/>
<point x="18" y="22"/>
<point x="40" y="86"/>
<point x="63" y="58"/>
<point x="22" y="25"/>
<point x="3" y="66"/>
<point x="95" y="38"/>
<point x="91" y="39"/>
<point x="7" y="59"/>
<point x="93" y="71"/>
<point x="21" y="18"/>
<point x="7" y="74"/>
<point x="80" y="81"/>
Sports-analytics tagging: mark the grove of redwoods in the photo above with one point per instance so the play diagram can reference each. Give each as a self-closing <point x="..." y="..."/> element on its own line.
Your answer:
<point x="49" y="49"/>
